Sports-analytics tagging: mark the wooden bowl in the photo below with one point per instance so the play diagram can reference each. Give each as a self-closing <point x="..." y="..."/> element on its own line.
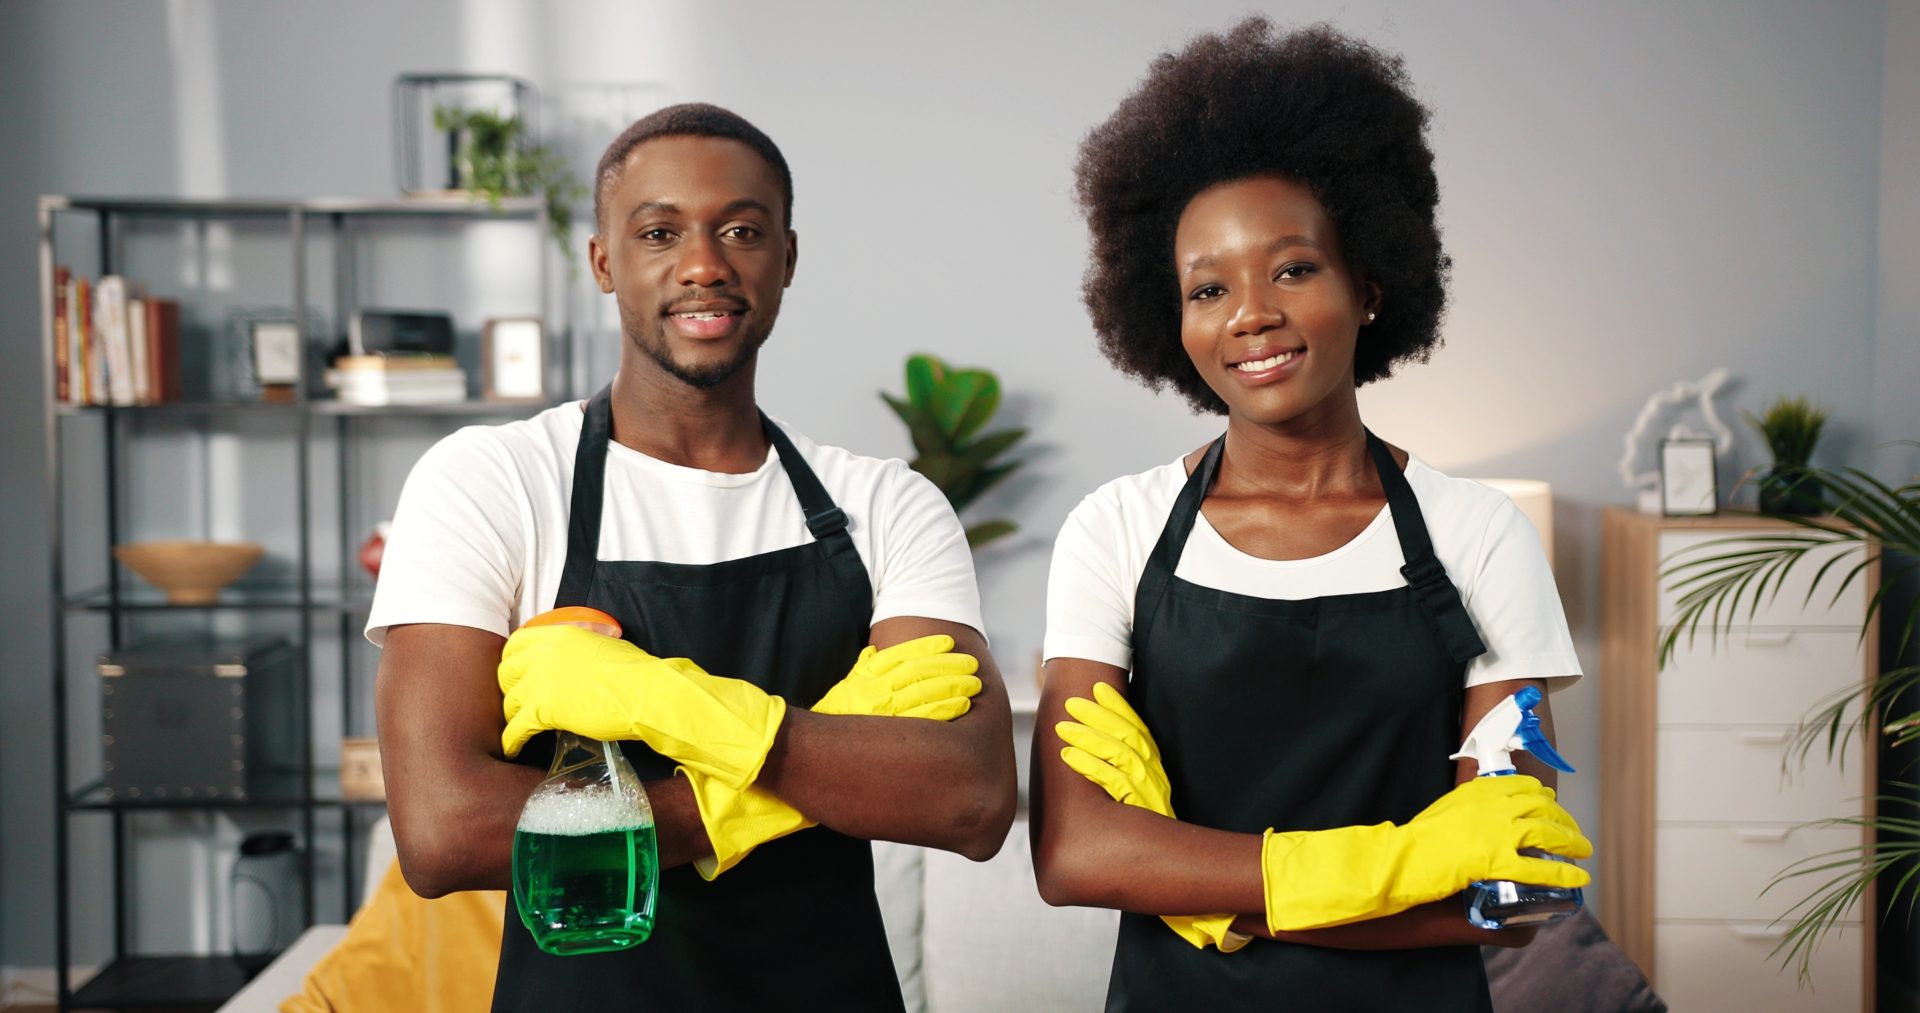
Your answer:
<point x="191" y="573"/>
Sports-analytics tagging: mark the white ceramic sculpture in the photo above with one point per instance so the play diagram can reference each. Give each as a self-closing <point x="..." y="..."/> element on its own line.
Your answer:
<point x="1640" y="451"/>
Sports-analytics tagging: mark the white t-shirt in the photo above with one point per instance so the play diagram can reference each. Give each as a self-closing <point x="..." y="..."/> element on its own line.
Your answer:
<point x="1490" y="550"/>
<point x="480" y="536"/>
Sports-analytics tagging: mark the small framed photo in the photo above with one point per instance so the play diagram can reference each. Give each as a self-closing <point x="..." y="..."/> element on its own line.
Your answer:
<point x="513" y="361"/>
<point x="275" y="345"/>
<point x="1688" y="485"/>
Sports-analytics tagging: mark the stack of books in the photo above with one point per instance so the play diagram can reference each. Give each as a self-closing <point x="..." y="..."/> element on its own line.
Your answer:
<point x="111" y="344"/>
<point x="397" y="379"/>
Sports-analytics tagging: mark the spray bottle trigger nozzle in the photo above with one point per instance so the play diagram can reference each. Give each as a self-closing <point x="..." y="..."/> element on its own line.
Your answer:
<point x="1536" y="743"/>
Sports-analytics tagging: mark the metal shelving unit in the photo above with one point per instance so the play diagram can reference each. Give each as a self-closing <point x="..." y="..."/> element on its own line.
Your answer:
<point x="130" y="979"/>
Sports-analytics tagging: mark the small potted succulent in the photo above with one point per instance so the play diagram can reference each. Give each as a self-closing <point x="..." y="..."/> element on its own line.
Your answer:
<point x="944" y="410"/>
<point x="1791" y="426"/>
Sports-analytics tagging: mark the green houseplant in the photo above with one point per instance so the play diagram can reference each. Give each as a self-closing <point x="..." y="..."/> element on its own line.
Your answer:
<point x="1718" y="587"/>
<point x="493" y="158"/>
<point x="944" y="410"/>
<point x="1791" y="427"/>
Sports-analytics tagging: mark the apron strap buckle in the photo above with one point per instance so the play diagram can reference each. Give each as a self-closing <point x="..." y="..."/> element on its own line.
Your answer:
<point x="827" y="522"/>
<point x="1424" y="572"/>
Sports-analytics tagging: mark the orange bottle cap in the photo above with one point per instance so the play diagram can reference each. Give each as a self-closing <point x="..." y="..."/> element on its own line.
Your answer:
<point x="576" y="614"/>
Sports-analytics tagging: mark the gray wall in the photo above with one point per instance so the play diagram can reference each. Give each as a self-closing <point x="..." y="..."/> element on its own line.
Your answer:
<point x="1896" y="378"/>
<point x="1633" y="194"/>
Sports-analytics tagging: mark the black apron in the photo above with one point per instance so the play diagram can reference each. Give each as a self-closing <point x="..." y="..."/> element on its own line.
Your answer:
<point x="1299" y="715"/>
<point x="797" y="924"/>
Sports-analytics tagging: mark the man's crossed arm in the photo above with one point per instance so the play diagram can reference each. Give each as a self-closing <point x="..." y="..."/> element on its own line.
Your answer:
<point x="455" y="798"/>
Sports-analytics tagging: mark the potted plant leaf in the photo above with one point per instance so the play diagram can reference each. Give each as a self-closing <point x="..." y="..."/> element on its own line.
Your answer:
<point x="491" y="157"/>
<point x="945" y="409"/>
<point x="1719" y="580"/>
<point x="1791" y="426"/>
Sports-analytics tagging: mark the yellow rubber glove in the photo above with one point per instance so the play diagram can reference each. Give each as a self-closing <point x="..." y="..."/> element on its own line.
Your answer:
<point x="563" y="677"/>
<point x="1318" y="878"/>
<point x="1108" y="744"/>
<point x="919" y="679"/>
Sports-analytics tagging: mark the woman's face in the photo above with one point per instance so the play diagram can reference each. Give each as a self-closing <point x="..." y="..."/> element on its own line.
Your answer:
<point x="1269" y="312"/>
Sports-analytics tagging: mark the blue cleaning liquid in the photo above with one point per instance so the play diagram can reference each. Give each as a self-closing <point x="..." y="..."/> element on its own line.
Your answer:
<point x="1501" y="904"/>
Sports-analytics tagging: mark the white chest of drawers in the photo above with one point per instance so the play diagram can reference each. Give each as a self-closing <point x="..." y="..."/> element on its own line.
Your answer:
<point x="1700" y="805"/>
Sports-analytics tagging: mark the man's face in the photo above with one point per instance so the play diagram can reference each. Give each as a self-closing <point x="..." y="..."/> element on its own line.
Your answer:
<point x="696" y="252"/>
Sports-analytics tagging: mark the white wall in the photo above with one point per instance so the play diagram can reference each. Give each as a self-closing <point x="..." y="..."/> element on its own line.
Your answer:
<point x="1633" y="193"/>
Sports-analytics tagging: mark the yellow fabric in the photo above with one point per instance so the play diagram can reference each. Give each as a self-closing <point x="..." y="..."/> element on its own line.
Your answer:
<point x="920" y="678"/>
<point x="1318" y="878"/>
<point x="564" y="677"/>
<point x="405" y="954"/>
<point x="1108" y="744"/>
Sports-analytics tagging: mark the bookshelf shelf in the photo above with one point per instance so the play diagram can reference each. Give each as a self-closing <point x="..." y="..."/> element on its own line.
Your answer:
<point x="284" y="596"/>
<point x="522" y="208"/>
<point x="169" y="982"/>
<point x="311" y="507"/>
<point x="318" y="406"/>
<point x="286" y="792"/>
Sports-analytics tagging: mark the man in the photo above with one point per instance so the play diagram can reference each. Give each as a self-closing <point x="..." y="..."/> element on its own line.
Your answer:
<point x="712" y="535"/>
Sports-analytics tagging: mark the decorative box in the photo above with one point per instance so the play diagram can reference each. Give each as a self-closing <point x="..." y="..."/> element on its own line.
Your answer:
<point x="200" y="719"/>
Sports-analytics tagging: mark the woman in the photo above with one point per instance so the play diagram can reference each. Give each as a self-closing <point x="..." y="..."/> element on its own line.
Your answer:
<point x="1282" y="636"/>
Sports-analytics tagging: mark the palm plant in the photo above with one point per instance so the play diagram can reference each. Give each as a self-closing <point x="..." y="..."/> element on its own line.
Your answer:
<point x="1717" y="589"/>
<point x="944" y="409"/>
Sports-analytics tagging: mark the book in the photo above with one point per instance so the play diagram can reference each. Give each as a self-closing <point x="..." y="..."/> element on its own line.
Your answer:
<point x="110" y="313"/>
<point x="137" y="345"/>
<point x="80" y="316"/>
<point x="163" y="349"/>
<point x="62" y="343"/>
<point x="393" y="364"/>
<point x="397" y="379"/>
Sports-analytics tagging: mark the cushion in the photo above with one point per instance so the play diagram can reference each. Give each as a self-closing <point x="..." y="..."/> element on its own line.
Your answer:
<point x="402" y="952"/>
<point x="990" y="943"/>
<point x="1571" y="967"/>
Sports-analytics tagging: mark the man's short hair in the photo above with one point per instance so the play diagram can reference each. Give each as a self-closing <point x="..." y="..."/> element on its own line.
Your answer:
<point x="689" y="119"/>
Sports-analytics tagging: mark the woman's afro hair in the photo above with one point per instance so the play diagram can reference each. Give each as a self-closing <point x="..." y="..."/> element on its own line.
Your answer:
<point x="1314" y="107"/>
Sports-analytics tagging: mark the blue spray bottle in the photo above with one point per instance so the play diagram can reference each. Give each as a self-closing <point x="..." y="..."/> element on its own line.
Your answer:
<point x="1500" y="904"/>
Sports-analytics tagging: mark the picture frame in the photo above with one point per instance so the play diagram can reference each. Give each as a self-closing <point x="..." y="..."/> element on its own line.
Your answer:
<point x="1689" y="483"/>
<point x="513" y="359"/>
<point x="275" y="351"/>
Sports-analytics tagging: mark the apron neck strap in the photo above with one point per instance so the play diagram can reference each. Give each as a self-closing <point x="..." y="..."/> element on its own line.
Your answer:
<point x="1439" y="600"/>
<point x="1173" y="537"/>
<point x="1165" y="557"/>
<point x="589" y="492"/>
<point x="1415" y="545"/>
<point x="824" y="518"/>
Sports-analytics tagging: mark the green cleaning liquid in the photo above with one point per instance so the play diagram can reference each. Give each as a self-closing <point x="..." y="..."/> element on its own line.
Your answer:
<point x="585" y="871"/>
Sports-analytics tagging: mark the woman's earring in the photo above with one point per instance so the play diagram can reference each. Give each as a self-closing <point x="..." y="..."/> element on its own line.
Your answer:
<point x="1370" y="317"/>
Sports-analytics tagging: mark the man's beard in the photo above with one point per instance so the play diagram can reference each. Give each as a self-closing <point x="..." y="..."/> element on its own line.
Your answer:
<point x="704" y="377"/>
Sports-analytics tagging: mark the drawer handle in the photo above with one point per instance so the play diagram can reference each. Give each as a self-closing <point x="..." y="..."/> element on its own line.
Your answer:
<point x="1769" y="639"/>
<point x="1759" y="931"/>
<point x="1773" y="738"/>
<point x="1762" y="835"/>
